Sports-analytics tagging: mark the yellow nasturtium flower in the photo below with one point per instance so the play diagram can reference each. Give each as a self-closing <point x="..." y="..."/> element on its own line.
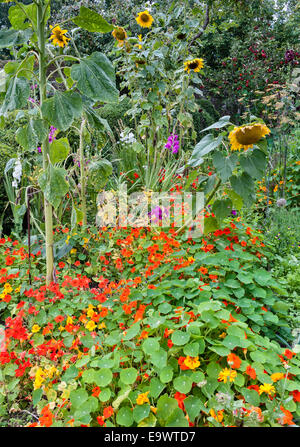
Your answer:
<point x="35" y="328"/>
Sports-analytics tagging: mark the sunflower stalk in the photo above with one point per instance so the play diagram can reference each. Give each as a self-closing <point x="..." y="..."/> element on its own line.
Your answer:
<point x="82" y="173"/>
<point x="41" y="27"/>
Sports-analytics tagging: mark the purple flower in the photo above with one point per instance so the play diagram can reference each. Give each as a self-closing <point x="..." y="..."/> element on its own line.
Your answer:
<point x="289" y="56"/>
<point x="233" y="212"/>
<point x="157" y="213"/>
<point x="173" y="143"/>
<point x="39" y="149"/>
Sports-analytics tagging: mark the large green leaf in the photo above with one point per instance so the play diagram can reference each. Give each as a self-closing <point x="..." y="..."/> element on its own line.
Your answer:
<point x="16" y="96"/>
<point x="243" y="185"/>
<point x="95" y="78"/>
<point x="254" y="163"/>
<point x="3" y="80"/>
<point x="224" y="121"/>
<point x="92" y="21"/>
<point x="210" y="224"/>
<point x="95" y="120"/>
<point x="99" y="171"/>
<point x="62" y="109"/>
<point x="18" y="16"/>
<point x="54" y="185"/>
<point x="222" y="208"/>
<point x="236" y="199"/>
<point x="224" y="165"/>
<point x="13" y="38"/>
<point x="32" y="134"/>
<point x="59" y="150"/>
<point x="22" y="68"/>
<point x="206" y="145"/>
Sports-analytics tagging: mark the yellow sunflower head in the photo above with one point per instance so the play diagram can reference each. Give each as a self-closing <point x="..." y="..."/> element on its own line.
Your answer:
<point x="144" y="19"/>
<point x="120" y="35"/>
<point x="194" y="64"/>
<point x="58" y="36"/>
<point x="244" y="137"/>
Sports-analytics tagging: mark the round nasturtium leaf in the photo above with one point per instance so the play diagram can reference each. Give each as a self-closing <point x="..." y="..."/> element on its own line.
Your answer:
<point x="128" y="375"/>
<point x="150" y="345"/>
<point x="88" y="375"/>
<point x="166" y="374"/>
<point x="105" y="394"/>
<point x="125" y="417"/>
<point x="78" y="397"/>
<point x="103" y="377"/>
<point x="180" y="338"/>
<point x="141" y="412"/>
<point x="183" y="384"/>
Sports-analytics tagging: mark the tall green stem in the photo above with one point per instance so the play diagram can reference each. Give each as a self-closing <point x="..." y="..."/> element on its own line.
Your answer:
<point x="41" y="26"/>
<point x="82" y="174"/>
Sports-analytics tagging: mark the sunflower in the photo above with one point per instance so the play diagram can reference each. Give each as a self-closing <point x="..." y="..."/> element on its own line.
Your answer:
<point x="144" y="19"/>
<point x="244" y="137"/>
<point x="120" y="35"/>
<point x="58" y="36"/>
<point x="195" y="65"/>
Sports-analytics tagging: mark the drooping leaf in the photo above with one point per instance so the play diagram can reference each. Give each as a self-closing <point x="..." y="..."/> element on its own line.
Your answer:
<point x="54" y="185"/>
<point x="236" y="199"/>
<point x="243" y="185"/>
<point x="22" y="69"/>
<point x="95" y="120"/>
<point x="32" y="134"/>
<point x="59" y="150"/>
<point x="206" y="145"/>
<point x="16" y="96"/>
<point x="224" y="165"/>
<point x="62" y="109"/>
<point x="222" y="208"/>
<point x="95" y="78"/>
<point x="210" y="224"/>
<point x="224" y="121"/>
<point x="92" y="21"/>
<point x="254" y="163"/>
<point x="13" y="38"/>
<point x="98" y="173"/>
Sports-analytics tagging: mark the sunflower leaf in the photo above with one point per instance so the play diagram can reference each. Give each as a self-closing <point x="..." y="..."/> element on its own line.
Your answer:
<point x="224" y="121"/>
<point x="92" y="21"/>
<point x="96" y="78"/>
<point x="16" y="96"/>
<point x="62" y="109"/>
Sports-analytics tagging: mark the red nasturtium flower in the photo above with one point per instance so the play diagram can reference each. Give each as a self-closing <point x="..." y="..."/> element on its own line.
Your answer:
<point x="233" y="361"/>
<point x="251" y="372"/>
<point x="46" y="419"/>
<point x="96" y="391"/>
<point x="180" y="398"/>
<point x="108" y="412"/>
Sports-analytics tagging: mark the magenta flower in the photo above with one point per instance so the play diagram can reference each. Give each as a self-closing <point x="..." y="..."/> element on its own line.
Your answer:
<point x="173" y="143"/>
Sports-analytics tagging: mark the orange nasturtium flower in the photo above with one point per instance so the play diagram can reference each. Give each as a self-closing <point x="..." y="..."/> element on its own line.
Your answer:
<point x="233" y="361"/>
<point x="142" y="398"/>
<point x="192" y="362"/>
<point x="277" y="376"/>
<point x="218" y="417"/>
